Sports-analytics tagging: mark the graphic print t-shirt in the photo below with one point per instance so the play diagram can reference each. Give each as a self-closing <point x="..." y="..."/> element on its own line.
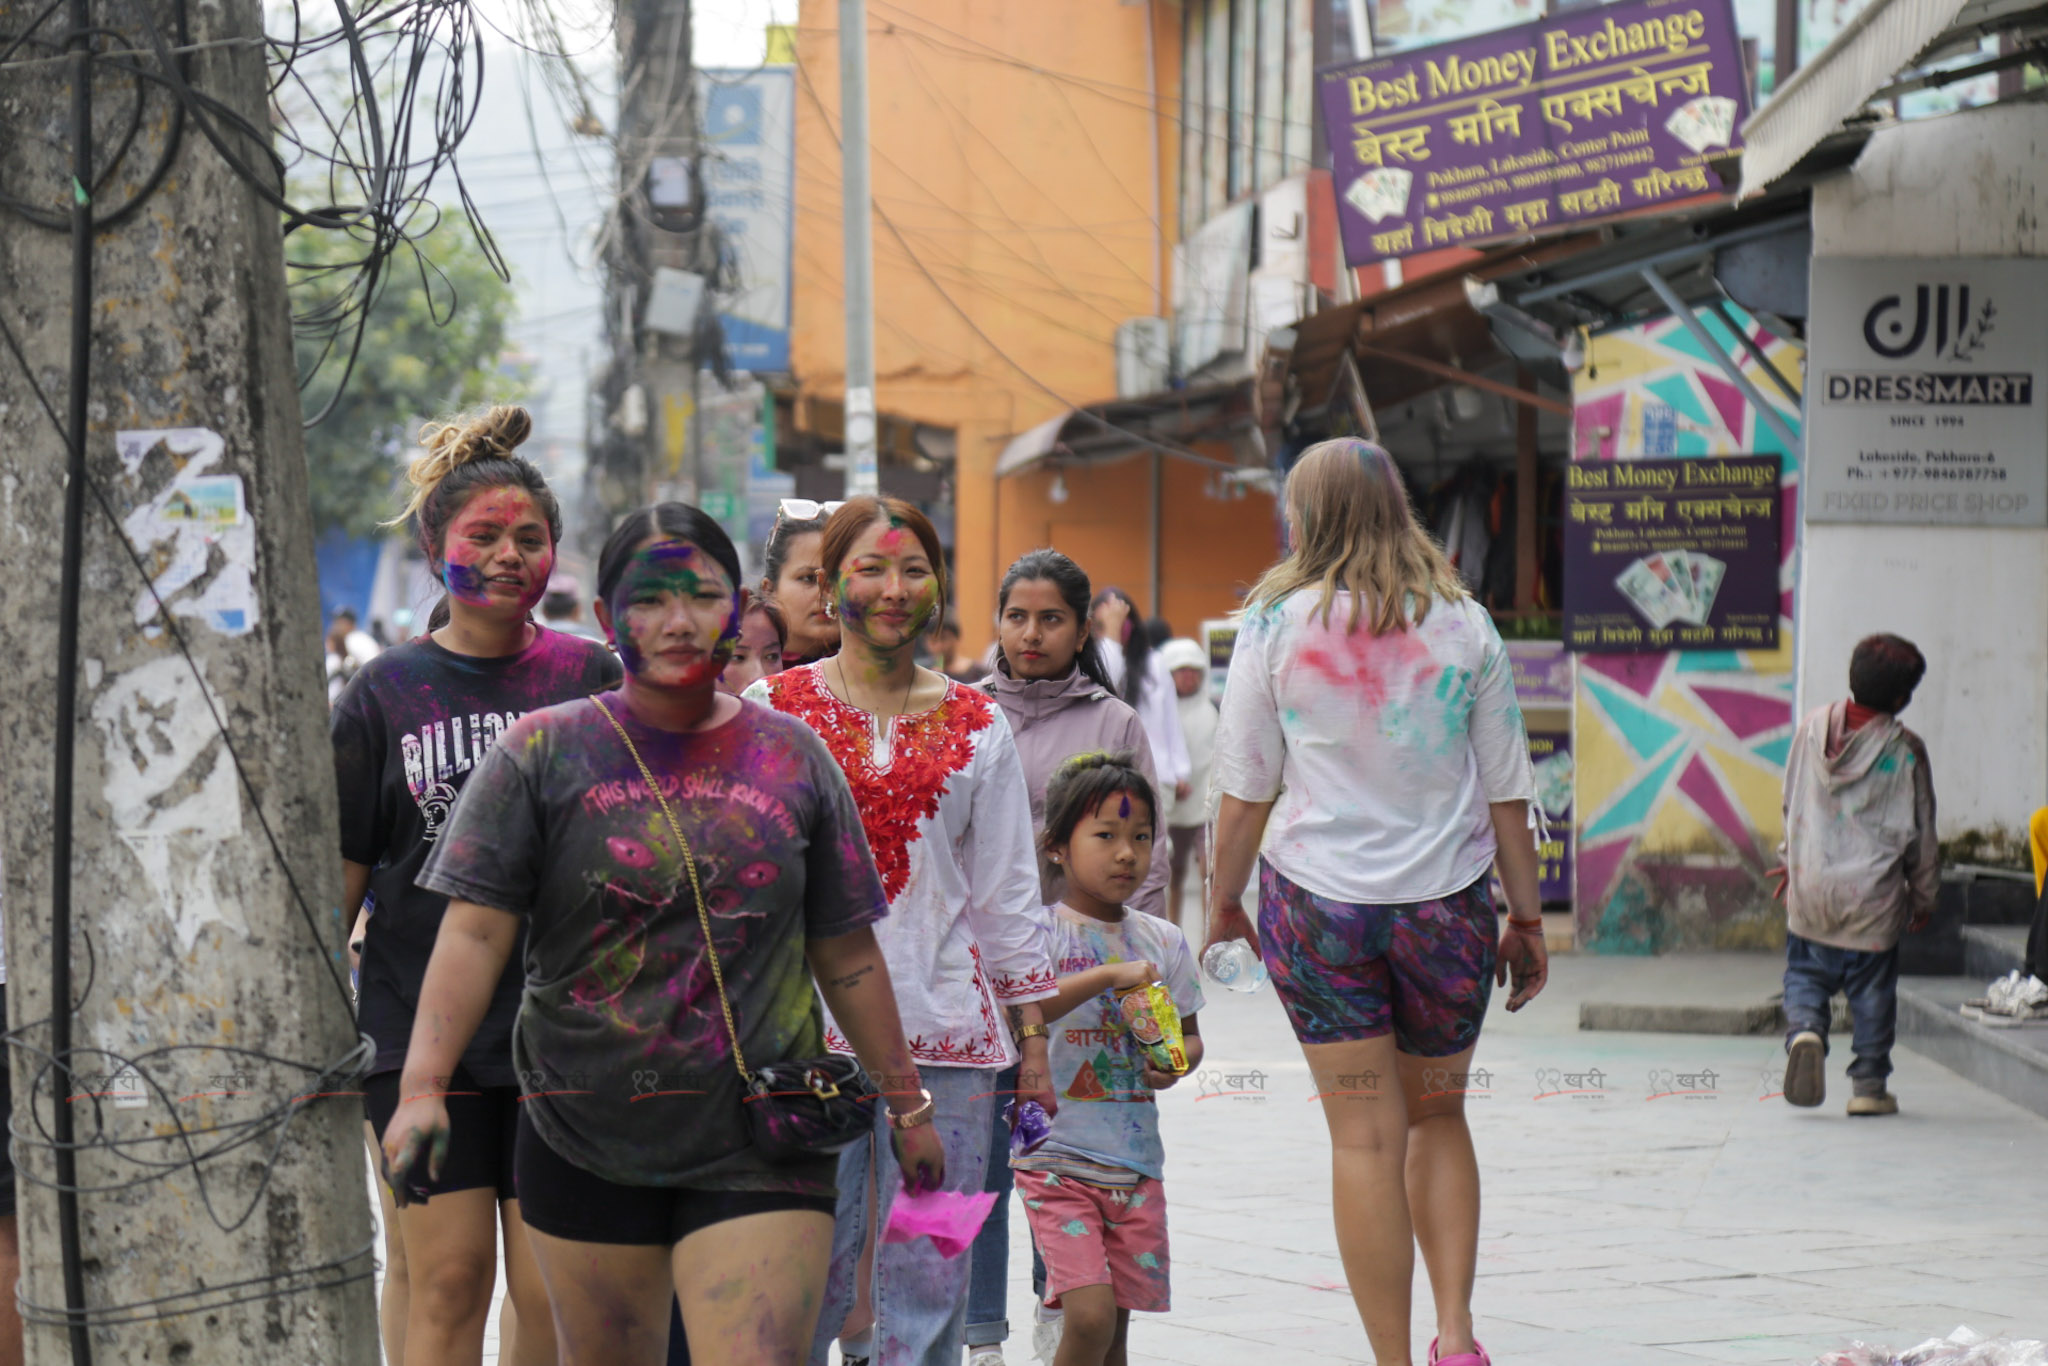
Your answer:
<point x="1107" y="1114"/>
<point x="621" y="1045"/>
<point x="408" y="731"/>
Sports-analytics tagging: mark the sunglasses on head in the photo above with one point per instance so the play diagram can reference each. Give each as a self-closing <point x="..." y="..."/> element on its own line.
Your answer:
<point x="804" y="510"/>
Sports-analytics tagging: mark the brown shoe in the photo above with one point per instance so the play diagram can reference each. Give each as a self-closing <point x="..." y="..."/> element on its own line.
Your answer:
<point x="1806" y="1070"/>
<point x="1881" y="1103"/>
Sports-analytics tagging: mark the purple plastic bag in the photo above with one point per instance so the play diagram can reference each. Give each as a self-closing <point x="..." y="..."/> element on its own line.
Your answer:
<point x="949" y="1218"/>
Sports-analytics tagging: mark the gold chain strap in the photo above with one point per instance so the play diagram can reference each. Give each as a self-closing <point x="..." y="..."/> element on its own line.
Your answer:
<point x="690" y="864"/>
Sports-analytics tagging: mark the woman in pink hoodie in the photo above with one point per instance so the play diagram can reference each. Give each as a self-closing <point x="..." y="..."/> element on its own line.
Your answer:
<point x="1057" y="697"/>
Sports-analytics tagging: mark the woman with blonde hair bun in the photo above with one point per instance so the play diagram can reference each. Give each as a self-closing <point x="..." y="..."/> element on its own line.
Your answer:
<point x="1399" y="781"/>
<point x="408" y="730"/>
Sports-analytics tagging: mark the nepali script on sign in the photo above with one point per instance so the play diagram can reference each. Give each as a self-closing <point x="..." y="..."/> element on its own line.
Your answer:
<point x="1581" y="116"/>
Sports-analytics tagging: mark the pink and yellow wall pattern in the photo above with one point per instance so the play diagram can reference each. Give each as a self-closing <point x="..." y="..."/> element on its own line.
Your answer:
<point x="1680" y="757"/>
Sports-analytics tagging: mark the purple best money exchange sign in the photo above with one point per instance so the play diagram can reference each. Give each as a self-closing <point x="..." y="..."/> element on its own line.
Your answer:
<point x="1584" y="115"/>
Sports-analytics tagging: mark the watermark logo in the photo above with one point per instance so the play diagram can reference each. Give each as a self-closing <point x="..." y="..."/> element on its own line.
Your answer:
<point x="1476" y="1084"/>
<point x="1214" y="1084"/>
<point x="1352" y="1086"/>
<point x="1667" y="1084"/>
<point x="1590" y="1084"/>
<point x="1771" y="1085"/>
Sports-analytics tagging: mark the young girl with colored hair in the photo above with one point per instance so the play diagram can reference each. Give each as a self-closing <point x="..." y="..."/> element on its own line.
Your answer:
<point x="941" y="794"/>
<point x="691" y="875"/>
<point x="409" y="729"/>
<point x="1092" y="1190"/>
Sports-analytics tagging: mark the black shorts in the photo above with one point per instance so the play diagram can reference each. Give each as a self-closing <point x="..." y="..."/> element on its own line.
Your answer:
<point x="481" y="1122"/>
<point x="6" y="1116"/>
<point x="564" y="1201"/>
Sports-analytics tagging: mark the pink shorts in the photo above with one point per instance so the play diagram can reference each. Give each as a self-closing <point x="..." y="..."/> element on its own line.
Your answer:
<point x="1089" y="1235"/>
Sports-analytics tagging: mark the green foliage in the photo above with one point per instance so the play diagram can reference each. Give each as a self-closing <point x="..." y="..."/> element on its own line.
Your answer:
<point x="432" y="348"/>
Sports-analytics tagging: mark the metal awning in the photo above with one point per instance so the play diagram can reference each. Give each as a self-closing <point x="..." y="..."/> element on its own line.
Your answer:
<point x="1885" y="37"/>
<point x="1165" y="422"/>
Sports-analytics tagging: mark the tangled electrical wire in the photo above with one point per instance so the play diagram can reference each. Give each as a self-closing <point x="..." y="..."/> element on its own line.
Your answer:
<point x="366" y="112"/>
<point x="368" y="106"/>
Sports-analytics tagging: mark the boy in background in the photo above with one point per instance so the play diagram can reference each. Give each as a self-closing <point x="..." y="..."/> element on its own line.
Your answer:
<point x="1861" y="864"/>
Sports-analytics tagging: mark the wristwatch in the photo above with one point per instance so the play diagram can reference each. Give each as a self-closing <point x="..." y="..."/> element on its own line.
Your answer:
<point x="1033" y="1031"/>
<point x="911" y="1119"/>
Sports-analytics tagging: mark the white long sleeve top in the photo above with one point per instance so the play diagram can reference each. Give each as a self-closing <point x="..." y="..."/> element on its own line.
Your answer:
<point x="1159" y="708"/>
<point x="947" y="815"/>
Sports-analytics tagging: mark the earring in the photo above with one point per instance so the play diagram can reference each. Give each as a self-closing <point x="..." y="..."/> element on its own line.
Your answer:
<point x="1055" y="858"/>
<point x="831" y="611"/>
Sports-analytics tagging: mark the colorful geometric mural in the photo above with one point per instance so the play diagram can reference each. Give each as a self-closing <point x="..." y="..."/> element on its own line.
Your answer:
<point x="1680" y="757"/>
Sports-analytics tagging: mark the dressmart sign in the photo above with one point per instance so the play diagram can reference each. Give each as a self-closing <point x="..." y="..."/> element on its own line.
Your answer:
<point x="1925" y="392"/>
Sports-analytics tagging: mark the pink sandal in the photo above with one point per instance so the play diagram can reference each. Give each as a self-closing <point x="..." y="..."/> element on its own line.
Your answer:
<point x="1476" y="1357"/>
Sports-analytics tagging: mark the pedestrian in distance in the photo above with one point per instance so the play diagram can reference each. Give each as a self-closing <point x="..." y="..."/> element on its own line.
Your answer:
<point x="791" y="578"/>
<point x="757" y="650"/>
<point x="1861" y="864"/>
<point x="941" y="794"/>
<point x="944" y="640"/>
<point x="562" y="608"/>
<point x="1139" y="677"/>
<point x="1187" y="822"/>
<point x="1092" y="1189"/>
<point x="679" y="936"/>
<point x="1399" y="781"/>
<point x="409" y="731"/>
<point x="1051" y="684"/>
<point x="348" y="648"/>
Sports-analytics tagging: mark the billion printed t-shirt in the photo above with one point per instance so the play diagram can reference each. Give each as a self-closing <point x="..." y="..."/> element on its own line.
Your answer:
<point x="621" y="1045"/>
<point x="408" y="731"/>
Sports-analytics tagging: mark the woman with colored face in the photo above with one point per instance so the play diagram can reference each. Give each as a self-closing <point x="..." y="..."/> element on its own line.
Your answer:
<point x="409" y="729"/>
<point x="618" y="831"/>
<point x="1050" y="682"/>
<point x="793" y="581"/>
<point x="1372" y="769"/>
<point x="941" y="796"/>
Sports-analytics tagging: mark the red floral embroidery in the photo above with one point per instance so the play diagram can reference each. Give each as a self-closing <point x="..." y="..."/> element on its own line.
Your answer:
<point x="1031" y="984"/>
<point x="926" y="750"/>
<point x="986" y="1051"/>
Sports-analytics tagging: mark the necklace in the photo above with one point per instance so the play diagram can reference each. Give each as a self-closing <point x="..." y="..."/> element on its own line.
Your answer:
<point x="839" y="662"/>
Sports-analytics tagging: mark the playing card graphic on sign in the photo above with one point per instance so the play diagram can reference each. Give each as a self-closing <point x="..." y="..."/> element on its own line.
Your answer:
<point x="1708" y="121"/>
<point x="1381" y="193"/>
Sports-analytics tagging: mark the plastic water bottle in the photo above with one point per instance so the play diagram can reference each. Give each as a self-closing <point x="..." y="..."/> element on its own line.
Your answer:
<point x="1234" y="966"/>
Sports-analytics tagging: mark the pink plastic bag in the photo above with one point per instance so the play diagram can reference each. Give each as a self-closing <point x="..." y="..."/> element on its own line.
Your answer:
<point x="949" y="1218"/>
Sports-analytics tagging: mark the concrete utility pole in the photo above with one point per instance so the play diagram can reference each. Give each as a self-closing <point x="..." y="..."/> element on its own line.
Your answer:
<point x="187" y="937"/>
<point x="863" y="474"/>
<point x="659" y="228"/>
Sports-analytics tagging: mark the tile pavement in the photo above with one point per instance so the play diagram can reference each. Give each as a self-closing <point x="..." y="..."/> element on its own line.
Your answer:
<point x="1619" y="1230"/>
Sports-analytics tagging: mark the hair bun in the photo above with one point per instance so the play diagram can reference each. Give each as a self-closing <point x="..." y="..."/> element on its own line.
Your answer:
<point x="447" y="446"/>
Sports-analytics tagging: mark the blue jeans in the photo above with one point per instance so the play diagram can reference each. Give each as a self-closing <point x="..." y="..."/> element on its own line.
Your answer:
<point x="988" y="1284"/>
<point x="1815" y="972"/>
<point x="919" y="1298"/>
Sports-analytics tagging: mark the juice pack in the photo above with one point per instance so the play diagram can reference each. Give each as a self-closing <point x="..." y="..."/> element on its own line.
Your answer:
<point x="1149" y="1013"/>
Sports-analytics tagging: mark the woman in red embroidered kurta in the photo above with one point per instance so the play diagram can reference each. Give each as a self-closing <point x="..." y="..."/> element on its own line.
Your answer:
<point x="941" y="793"/>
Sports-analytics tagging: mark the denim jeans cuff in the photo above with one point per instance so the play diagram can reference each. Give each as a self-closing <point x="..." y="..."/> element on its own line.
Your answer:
<point x="991" y="1334"/>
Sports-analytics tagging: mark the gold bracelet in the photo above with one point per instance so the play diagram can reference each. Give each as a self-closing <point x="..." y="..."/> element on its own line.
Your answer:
<point x="1033" y="1031"/>
<point x="921" y="1115"/>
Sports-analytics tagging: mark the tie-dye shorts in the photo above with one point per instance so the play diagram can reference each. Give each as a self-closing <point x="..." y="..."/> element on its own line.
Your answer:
<point x="1090" y="1235"/>
<point x="1423" y="969"/>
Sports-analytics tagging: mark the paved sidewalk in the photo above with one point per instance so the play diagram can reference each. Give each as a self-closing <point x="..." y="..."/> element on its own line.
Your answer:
<point x="1623" y="1226"/>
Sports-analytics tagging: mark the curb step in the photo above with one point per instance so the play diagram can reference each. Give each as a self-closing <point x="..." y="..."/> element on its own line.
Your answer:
<point x="1759" y="1017"/>
<point x="2011" y="1062"/>
<point x="1991" y="951"/>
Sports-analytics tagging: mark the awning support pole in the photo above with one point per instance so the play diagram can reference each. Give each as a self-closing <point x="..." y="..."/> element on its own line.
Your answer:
<point x="1756" y="353"/>
<point x="1683" y="312"/>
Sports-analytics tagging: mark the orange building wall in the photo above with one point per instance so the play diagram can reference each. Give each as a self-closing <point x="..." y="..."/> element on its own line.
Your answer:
<point x="1211" y="549"/>
<point x="1015" y="226"/>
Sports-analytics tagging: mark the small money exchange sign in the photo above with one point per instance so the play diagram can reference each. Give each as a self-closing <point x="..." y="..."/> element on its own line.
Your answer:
<point x="1580" y="116"/>
<point x="1672" y="554"/>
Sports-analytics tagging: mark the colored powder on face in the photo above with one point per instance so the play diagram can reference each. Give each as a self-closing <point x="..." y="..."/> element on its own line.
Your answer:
<point x="1124" y="806"/>
<point x="465" y="582"/>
